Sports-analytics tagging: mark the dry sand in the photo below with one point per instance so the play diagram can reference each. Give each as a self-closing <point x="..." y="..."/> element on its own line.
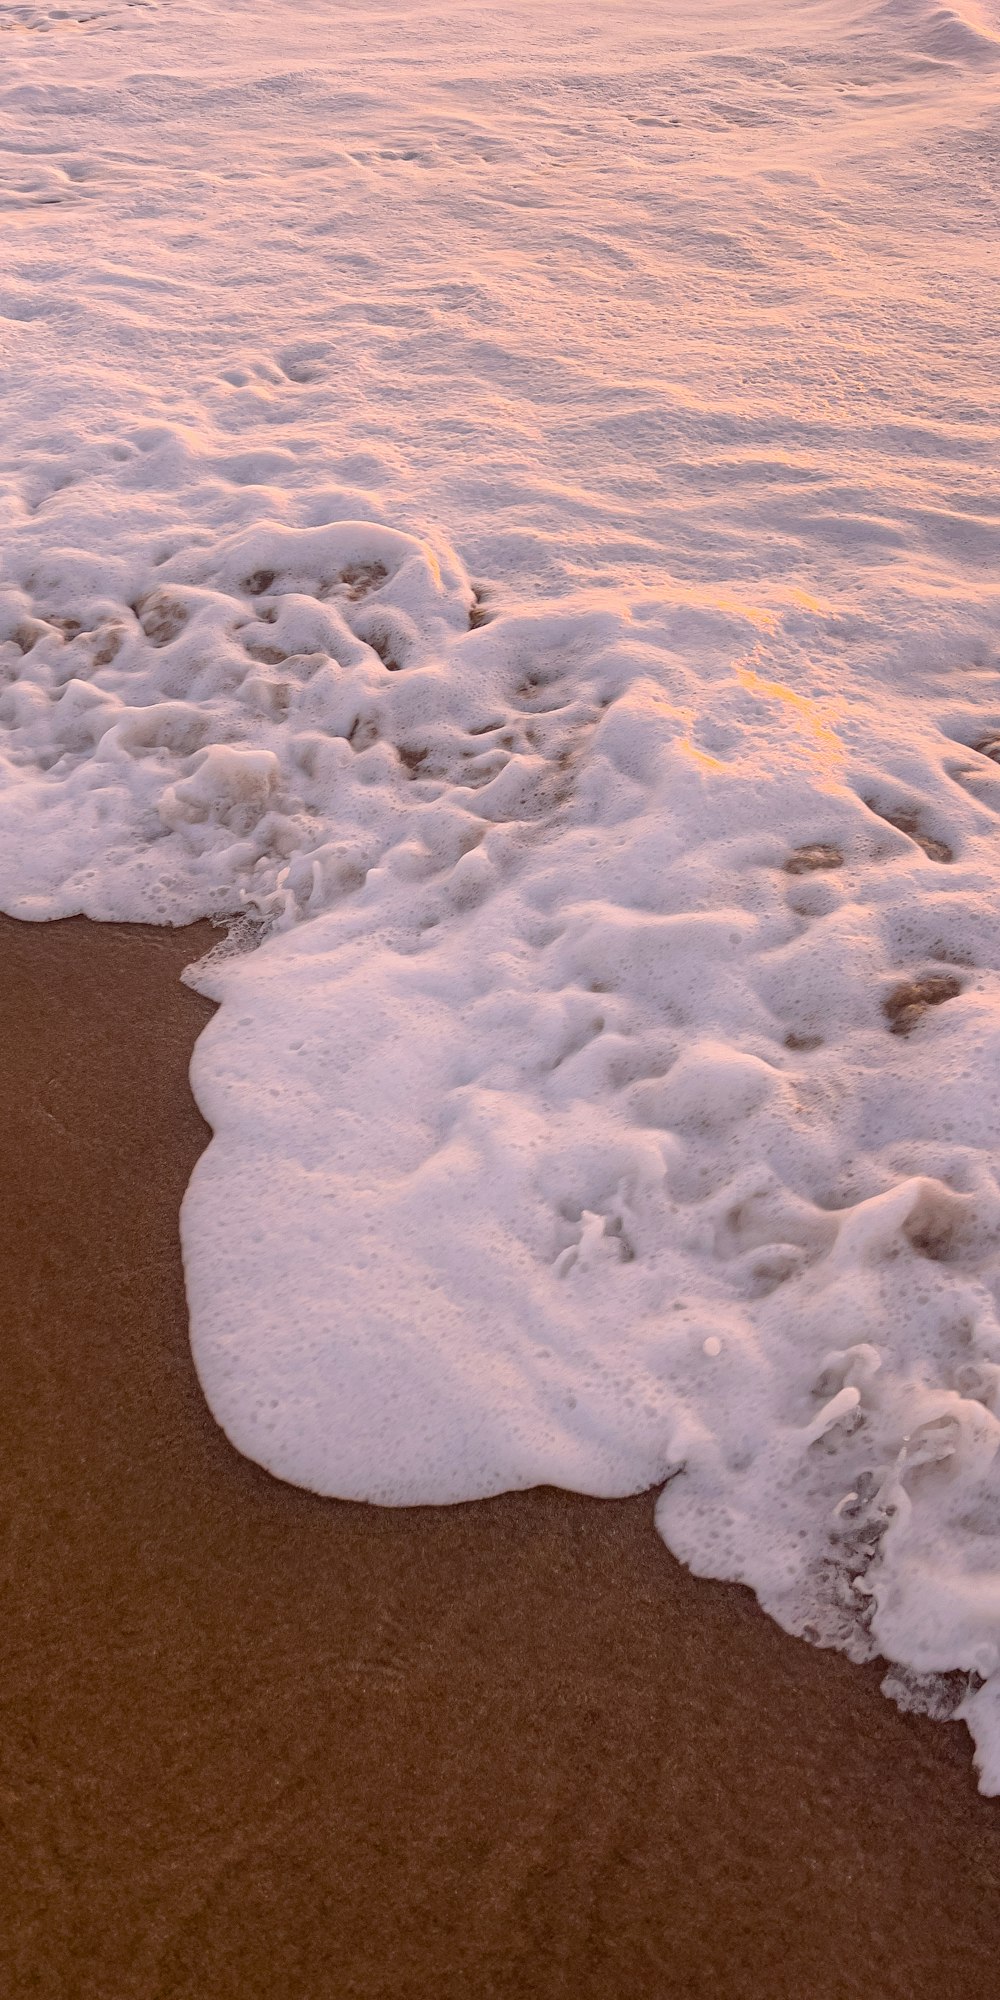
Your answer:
<point x="254" y="1743"/>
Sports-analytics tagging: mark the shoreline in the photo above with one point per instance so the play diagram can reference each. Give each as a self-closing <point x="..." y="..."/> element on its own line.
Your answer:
<point x="259" y="1743"/>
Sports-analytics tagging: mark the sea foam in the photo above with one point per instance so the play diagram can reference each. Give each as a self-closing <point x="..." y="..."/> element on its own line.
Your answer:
<point x="624" y="1113"/>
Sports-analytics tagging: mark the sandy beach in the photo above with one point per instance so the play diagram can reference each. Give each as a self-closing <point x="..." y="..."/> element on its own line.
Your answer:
<point x="260" y="1744"/>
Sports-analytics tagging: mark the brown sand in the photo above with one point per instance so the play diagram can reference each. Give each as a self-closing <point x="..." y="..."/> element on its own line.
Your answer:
<point x="259" y="1744"/>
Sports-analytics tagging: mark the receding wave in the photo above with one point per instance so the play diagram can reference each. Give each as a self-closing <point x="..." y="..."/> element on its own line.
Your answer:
<point x="612" y="1097"/>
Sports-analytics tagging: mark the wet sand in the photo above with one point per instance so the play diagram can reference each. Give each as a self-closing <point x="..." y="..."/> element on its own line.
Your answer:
<point x="258" y="1744"/>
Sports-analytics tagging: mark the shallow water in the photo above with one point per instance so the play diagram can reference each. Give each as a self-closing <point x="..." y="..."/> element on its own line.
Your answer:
<point x="508" y="507"/>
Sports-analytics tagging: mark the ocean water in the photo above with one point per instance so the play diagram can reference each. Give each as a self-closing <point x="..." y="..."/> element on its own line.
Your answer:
<point x="502" y="505"/>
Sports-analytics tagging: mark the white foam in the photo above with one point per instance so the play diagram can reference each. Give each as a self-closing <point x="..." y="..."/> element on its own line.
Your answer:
<point x="516" y="1177"/>
<point x="611" y="1100"/>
